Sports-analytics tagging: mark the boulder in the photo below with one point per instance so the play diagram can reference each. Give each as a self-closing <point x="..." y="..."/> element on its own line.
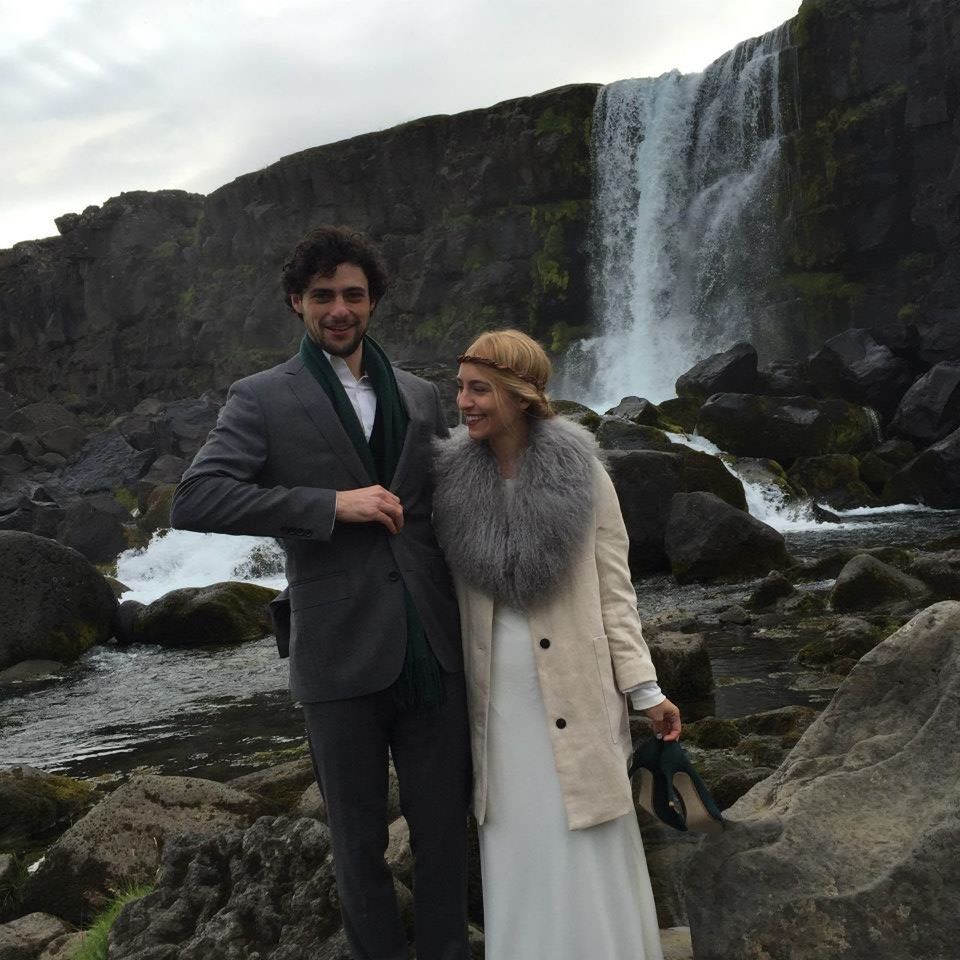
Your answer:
<point x="39" y="418"/>
<point x="617" y="434"/>
<point x="732" y="371"/>
<point x="843" y="643"/>
<point x="636" y="410"/>
<point x="707" y="539"/>
<point x="65" y="440"/>
<point x="28" y="507"/>
<point x="267" y="891"/>
<point x="189" y="422"/>
<point x="576" y="412"/>
<point x="930" y="409"/>
<point x="94" y="526"/>
<point x="866" y="582"/>
<point x="774" y="586"/>
<point x="833" y="479"/>
<point x="803" y="875"/>
<point x="34" y="805"/>
<point x="166" y="469"/>
<point x="933" y="478"/>
<point x="678" y="415"/>
<point x="940" y="572"/>
<point x="683" y="665"/>
<point x="105" y="463"/>
<point x="938" y="332"/>
<point x="784" y="378"/>
<point x="156" y="514"/>
<point x="194" y="616"/>
<point x="280" y="786"/>
<point x="119" y="842"/>
<point x="853" y="366"/>
<point x="53" y="603"/>
<point x="646" y="480"/>
<point x="26" y="938"/>
<point x="783" y="429"/>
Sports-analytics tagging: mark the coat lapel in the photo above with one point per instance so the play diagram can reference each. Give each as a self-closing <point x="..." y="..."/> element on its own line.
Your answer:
<point x="416" y="421"/>
<point x="320" y="410"/>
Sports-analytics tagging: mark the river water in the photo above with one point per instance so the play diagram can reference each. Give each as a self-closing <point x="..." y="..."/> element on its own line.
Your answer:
<point x="209" y="711"/>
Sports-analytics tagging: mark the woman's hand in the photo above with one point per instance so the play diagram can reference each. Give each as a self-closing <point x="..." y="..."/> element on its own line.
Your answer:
<point x="666" y="720"/>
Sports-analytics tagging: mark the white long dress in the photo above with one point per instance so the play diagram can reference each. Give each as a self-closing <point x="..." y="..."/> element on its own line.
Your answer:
<point x="550" y="893"/>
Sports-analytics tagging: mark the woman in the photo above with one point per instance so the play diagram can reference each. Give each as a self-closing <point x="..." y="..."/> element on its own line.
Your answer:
<point x="531" y="527"/>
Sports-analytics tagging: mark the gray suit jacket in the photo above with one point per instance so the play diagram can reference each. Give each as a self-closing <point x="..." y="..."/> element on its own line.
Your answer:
<point x="271" y="468"/>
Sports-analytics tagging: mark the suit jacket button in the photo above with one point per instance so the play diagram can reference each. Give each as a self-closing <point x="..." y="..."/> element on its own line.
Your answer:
<point x="393" y="576"/>
<point x="545" y="643"/>
<point x="561" y="723"/>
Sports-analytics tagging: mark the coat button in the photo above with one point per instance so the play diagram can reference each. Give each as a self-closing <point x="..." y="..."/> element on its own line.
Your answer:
<point x="393" y="576"/>
<point x="561" y="723"/>
<point x="544" y="643"/>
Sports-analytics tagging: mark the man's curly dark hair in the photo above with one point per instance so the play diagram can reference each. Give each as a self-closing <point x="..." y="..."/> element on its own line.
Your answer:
<point x="323" y="249"/>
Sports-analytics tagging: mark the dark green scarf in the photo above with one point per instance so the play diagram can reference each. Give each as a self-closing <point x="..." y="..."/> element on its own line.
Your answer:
<point x="419" y="683"/>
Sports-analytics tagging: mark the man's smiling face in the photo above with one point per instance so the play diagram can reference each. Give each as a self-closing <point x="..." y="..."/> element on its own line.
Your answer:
<point x="336" y="309"/>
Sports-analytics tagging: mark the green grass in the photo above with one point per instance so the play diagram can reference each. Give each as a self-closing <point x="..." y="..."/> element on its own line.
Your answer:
<point x="94" y="944"/>
<point x="11" y="888"/>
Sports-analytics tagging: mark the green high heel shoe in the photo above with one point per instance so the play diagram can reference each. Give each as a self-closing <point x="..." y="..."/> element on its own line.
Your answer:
<point x="672" y="790"/>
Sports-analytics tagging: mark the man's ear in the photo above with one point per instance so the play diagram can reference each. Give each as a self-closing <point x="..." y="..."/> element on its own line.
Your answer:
<point x="373" y="304"/>
<point x="296" y="301"/>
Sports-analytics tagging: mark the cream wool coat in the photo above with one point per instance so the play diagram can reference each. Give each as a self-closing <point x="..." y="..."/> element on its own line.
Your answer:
<point x="594" y="651"/>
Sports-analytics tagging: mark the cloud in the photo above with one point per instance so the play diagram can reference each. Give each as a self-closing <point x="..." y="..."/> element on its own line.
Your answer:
<point x="100" y="97"/>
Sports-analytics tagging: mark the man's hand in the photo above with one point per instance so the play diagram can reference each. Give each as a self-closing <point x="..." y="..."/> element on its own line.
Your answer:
<point x="666" y="720"/>
<point x="370" y="505"/>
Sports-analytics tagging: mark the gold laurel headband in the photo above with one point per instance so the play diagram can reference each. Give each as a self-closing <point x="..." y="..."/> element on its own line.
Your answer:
<point x="502" y="367"/>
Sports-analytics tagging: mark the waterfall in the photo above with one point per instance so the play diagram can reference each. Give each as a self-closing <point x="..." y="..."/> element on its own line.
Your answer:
<point x="683" y="224"/>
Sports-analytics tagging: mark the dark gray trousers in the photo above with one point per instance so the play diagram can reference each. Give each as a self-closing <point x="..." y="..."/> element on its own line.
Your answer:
<point x="349" y="742"/>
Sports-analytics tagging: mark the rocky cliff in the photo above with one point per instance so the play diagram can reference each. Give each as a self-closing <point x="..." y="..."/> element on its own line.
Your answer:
<point x="482" y="216"/>
<point x="869" y="199"/>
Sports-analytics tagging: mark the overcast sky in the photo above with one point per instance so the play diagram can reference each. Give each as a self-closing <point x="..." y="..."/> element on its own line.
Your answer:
<point x="102" y="96"/>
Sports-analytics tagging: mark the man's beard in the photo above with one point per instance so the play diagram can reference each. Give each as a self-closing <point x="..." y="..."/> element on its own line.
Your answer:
<point x="339" y="348"/>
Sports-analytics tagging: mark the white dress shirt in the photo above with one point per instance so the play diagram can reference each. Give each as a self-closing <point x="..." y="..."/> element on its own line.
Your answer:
<point x="360" y="392"/>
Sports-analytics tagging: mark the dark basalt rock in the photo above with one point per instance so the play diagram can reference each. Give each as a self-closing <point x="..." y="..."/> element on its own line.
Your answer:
<point x="94" y="526"/>
<point x="637" y="410"/>
<point x="783" y="429"/>
<point x="930" y="409"/>
<point x="615" y="433"/>
<point x="732" y="371"/>
<point x="105" y="463"/>
<point x="192" y="616"/>
<point x="933" y="478"/>
<point x="268" y="891"/>
<point x="483" y="217"/>
<point x="853" y="366"/>
<point x="54" y="604"/>
<point x="707" y="539"/>
<point x="833" y="479"/>
<point x="646" y="480"/>
<point x="802" y="875"/>
<point x="784" y="378"/>
<point x="866" y="583"/>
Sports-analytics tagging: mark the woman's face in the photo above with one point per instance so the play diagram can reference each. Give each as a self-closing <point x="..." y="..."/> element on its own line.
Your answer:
<point x="487" y="416"/>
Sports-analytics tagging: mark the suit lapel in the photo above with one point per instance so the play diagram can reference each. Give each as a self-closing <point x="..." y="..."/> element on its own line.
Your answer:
<point x="416" y="417"/>
<point x="320" y="410"/>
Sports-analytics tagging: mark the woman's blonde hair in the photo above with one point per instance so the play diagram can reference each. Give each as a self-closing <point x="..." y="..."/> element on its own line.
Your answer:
<point x="517" y="365"/>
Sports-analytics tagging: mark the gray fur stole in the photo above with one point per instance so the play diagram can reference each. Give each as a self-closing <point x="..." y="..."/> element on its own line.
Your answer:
<point x="517" y="546"/>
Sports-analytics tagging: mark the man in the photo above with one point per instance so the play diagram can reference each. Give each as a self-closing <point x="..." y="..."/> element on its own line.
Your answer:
<point x="329" y="452"/>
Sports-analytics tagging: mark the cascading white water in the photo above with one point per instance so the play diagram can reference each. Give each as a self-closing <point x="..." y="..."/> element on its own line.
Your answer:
<point x="179" y="558"/>
<point x="682" y="218"/>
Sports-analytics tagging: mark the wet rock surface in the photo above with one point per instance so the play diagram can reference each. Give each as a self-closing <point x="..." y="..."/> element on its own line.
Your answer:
<point x="54" y="605"/>
<point x="802" y="866"/>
